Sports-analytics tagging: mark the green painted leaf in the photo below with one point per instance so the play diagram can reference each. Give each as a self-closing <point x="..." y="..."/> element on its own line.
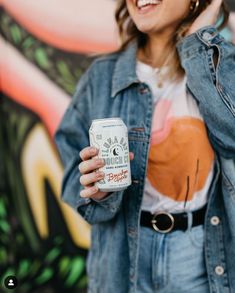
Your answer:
<point x="3" y="255"/>
<point x="24" y="268"/>
<point x="83" y="282"/>
<point x="76" y="270"/>
<point x="52" y="255"/>
<point x="16" y="33"/>
<point x="35" y="267"/>
<point x="70" y="88"/>
<point x="4" y="226"/>
<point x="2" y="209"/>
<point x="78" y="72"/>
<point x="44" y="276"/>
<point x="28" y="42"/>
<point x="41" y="58"/>
<point x="64" y="265"/>
<point x="64" y="69"/>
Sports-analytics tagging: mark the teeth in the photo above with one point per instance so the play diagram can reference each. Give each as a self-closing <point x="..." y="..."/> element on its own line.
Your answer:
<point x="141" y="3"/>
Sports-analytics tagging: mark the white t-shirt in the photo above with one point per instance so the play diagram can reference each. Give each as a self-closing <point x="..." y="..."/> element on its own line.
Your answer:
<point x="181" y="160"/>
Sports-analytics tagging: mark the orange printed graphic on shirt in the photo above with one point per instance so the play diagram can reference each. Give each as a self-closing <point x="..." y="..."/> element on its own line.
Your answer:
<point x="180" y="157"/>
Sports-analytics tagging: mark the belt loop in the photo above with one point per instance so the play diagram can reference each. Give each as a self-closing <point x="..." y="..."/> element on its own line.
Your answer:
<point x="190" y="221"/>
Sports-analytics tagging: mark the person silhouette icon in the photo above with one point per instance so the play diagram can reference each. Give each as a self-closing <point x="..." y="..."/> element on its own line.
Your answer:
<point x="10" y="282"/>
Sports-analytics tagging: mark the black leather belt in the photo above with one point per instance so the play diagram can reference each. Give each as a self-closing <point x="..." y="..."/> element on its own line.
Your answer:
<point x="164" y="222"/>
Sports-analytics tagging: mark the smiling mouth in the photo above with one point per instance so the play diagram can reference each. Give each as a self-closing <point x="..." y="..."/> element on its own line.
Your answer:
<point x="144" y="4"/>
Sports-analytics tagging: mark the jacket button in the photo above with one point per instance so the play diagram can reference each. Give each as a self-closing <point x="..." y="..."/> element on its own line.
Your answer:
<point x="215" y="221"/>
<point x="207" y="36"/>
<point x="143" y="90"/>
<point x="219" y="270"/>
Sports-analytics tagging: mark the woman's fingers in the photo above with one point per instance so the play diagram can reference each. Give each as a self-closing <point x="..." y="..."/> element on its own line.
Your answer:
<point x="88" y="152"/>
<point x="93" y="164"/>
<point x="131" y="156"/>
<point x="93" y="192"/>
<point x="91" y="178"/>
<point x="90" y="165"/>
<point x="88" y="177"/>
<point x="89" y="191"/>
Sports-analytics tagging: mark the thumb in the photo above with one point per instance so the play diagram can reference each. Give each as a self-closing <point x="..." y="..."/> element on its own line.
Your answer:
<point x="131" y="154"/>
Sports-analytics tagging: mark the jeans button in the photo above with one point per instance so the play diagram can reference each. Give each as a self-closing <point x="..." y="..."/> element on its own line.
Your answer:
<point x="215" y="221"/>
<point x="219" y="270"/>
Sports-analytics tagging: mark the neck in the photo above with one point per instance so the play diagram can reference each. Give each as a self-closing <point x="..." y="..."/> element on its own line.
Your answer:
<point x="157" y="49"/>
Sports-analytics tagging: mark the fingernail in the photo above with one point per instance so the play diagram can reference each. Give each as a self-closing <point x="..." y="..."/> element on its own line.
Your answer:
<point x="100" y="174"/>
<point x="94" y="150"/>
<point x="101" y="162"/>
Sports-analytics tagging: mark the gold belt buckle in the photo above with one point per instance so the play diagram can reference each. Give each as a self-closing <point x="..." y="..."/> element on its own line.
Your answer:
<point x="154" y="222"/>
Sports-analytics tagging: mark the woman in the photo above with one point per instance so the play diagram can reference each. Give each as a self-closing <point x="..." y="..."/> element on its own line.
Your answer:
<point x="172" y="230"/>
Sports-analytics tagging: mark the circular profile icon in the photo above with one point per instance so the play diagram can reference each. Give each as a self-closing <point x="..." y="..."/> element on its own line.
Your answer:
<point x="10" y="282"/>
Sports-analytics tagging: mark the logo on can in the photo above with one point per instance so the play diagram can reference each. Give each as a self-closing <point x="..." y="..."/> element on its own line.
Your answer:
<point x="110" y="136"/>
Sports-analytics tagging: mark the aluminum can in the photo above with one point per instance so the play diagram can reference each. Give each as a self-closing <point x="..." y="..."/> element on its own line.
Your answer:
<point x="110" y="136"/>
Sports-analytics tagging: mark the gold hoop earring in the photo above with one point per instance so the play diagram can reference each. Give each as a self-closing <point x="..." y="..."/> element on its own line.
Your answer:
<point x="194" y="6"/>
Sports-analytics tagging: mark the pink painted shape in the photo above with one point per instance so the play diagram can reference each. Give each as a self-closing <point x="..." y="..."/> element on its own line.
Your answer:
<point x="162" y="121"/>
<point x="28" y="86"/>
<point x="74" y="25"/>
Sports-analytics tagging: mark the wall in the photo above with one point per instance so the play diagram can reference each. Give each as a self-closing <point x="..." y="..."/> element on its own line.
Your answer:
<point x="45" y="48"/>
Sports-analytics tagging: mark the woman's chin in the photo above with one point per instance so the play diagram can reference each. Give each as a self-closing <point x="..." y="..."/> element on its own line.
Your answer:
<point x="148" y="29"/>
<point x="143" y="28"/>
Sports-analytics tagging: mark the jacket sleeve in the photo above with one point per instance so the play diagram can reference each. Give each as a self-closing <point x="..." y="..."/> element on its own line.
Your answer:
<point x="212" y="84"/>
<point x="71" y="137"/>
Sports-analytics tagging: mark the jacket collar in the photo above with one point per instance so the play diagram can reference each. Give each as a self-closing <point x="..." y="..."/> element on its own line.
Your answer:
<point x="125" y="69"/>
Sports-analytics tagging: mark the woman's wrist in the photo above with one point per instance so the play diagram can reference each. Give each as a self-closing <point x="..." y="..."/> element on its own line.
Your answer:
<point x="208" y="17"/>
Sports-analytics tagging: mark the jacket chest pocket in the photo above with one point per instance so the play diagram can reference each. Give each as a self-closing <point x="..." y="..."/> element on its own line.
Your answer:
<point x="229" y="186"/>
<point x="228" y="177"/>
<point x="138" y="142"/>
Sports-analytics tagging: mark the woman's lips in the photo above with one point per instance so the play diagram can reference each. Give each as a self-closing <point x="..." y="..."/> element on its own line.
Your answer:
<point x="146" y="9"/>
<point x="145" y="6"/>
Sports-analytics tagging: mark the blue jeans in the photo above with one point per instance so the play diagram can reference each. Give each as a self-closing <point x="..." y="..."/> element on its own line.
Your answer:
<point x="173" y="262"/>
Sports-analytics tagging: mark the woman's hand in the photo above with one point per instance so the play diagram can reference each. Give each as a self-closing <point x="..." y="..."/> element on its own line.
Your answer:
<point x="88" y="168"/>
<point x="207" y="17"/>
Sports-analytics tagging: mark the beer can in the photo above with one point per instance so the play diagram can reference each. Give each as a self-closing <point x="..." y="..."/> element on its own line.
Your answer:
<point x="110" y="136"/>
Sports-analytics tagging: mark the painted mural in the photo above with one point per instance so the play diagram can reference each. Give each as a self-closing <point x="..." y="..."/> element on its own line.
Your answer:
<point x="45" y="46"/>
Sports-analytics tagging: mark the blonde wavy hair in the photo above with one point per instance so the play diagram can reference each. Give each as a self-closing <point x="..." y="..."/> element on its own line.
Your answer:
<point x="128" y="32"/>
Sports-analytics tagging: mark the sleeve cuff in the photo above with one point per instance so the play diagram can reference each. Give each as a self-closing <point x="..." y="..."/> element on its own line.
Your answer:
<point x="112" y="201"/>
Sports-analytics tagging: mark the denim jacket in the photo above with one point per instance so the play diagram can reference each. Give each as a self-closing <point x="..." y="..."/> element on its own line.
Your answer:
<point x="110" y="88"/>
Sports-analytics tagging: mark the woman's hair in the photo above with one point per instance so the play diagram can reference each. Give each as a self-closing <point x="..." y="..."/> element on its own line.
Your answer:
<point x="129" y="32"/>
